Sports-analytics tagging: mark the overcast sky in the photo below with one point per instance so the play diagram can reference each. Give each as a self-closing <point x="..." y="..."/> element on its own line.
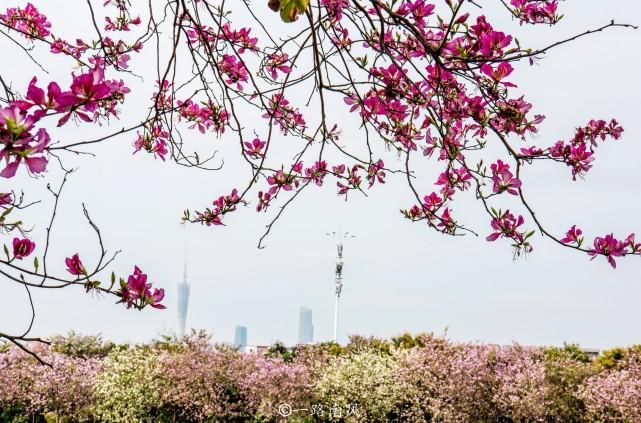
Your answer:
<point x="399" y="276"/>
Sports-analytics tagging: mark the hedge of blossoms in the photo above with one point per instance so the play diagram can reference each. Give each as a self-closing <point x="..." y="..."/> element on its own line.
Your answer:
<point x="413" y="379"/>
<point x="430" y="83"/>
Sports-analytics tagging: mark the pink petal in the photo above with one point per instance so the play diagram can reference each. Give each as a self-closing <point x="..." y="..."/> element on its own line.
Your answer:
<point x="10" y="170"/>
<point x="36" y="164"/>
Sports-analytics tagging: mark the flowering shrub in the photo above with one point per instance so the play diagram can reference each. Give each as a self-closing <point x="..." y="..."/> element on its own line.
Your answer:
<point x="614" y="395"/>
<point x="82" y="346"/>
<point x="447" y="382"/>
<point x="364" y="382"/>
<point x="410" y="379"/>
<point x="521" y="391"/>
<point x="17" y="378"/>
<point x="271" y="382"/>
<point x="200" y="383"/>
<point x="566" y="369"/>
<point x="64" y="388"/>
<point x="129" y="387"/>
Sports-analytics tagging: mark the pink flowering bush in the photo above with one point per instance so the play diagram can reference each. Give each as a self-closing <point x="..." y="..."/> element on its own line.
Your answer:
<point x="271" y="382"/>
<point x="447" y="382"/>
<point x="64" y="388"/>
<point x="465" y="382"/>
<point x="408" y="378"/>
<point x="521" y="391"/>
<point x="614" y="394"/>
<point x="201" y="382"/>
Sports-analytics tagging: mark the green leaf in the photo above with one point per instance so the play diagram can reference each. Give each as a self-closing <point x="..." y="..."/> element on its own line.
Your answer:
<point x="7" y="211"/>
<point x="6" y="251"/>
<point x="290" y="9"/>
<point x="35" y="263"/>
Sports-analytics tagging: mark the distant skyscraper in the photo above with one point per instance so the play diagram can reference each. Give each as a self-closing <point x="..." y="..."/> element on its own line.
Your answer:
<point x="240" y="337"/>
<point x="183" y="302"/>
<point x="305" y="326"/>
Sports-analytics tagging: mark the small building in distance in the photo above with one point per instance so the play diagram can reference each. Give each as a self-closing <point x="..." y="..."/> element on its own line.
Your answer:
<point x="255" y="349"/>
<point x="240" y="337"/>
<point x="305" y="326"/>
<point x="592" y="353"/>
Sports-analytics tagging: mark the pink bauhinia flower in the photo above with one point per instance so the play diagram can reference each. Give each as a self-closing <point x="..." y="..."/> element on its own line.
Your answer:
<point x="61" y="46"/>
<point x="493" y="43"/>
<point x="137" y="283"/>
<point x="503" y="179"/>
<point x="5" y="198"/>
<point x="36" y="97"/>
<point x="254" y="148"/>
<point x="630" y="243"/>
<point x="375" y="173"/>
<point x="609" y="247"/>
<point x="446" y="223"/>
<point x="282" y="180"/>
<point x="89" y="88"/>
<point x="418" y="9"/>
<point x="536" y="11"/>
<point x="136" y="292"/>
<point x="234" y="69"/>
<point x="454" y="178"/>
<point x="317" y="172"/>
<point x="335" y="9"/>
<point x="22" y="248"/>
<point x="287" y="117"/>
<point x="506" y="225"/>
<point x="156" y="297"/>
<point x="573" y="235"/>
<point x="498" y="74"/>
<point x="29" y="21"/>
<point x="239" y="37"/>
<point x="17" y="143"/>
<point x="75" y="266"/>
<point x="531" y="151"/>
<point x="277" y="63"/>
<point x="263" y="201"/>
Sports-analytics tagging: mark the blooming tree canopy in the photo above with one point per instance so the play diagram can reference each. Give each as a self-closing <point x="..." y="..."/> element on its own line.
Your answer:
<point x="433" y="84"/>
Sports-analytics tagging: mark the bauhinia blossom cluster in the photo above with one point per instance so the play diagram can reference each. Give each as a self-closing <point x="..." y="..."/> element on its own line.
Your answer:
<point x="30" y="112"/>
<point x="429" y="85"/>
<point x="441" y="88"/>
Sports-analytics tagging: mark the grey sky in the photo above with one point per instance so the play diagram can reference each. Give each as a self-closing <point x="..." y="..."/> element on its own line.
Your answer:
<point x="398" y="276"/>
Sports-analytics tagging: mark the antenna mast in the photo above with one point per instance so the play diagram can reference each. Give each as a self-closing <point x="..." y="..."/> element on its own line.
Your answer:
<point x="338" y="275"/>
